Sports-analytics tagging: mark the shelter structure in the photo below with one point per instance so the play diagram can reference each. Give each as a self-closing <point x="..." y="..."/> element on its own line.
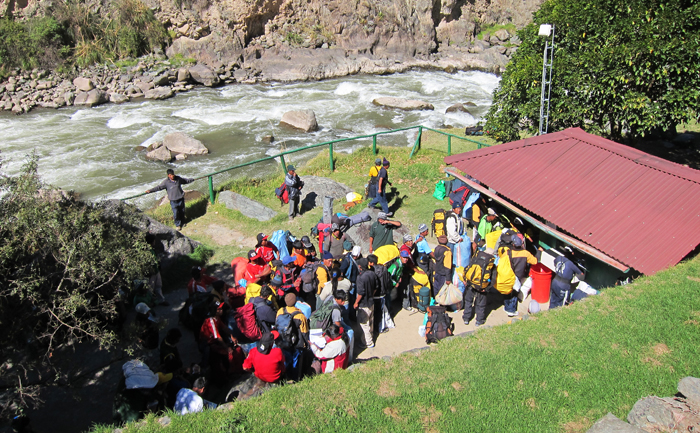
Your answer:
<point x="621" y="206"/>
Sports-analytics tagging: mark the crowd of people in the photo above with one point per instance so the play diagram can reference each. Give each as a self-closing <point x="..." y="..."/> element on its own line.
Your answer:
<point x="291" y="311"/>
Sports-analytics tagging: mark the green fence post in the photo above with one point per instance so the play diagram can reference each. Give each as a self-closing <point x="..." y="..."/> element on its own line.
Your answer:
<point x="449" y="145"/>
<point x="417" y="145"/>
<point x="211" y="189"/>
<point x="330" y="154"/>
<point x="374" y="144"/>
<point x="284" y="166"/>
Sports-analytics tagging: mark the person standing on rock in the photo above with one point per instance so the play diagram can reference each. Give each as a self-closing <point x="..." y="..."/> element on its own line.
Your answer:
<point x="382" y="181"/>
<point x="294" y="185"/>
<point x="173" y="185"/>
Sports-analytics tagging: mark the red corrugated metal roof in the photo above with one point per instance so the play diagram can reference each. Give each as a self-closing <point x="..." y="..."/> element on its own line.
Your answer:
<point x="641" y="210"/>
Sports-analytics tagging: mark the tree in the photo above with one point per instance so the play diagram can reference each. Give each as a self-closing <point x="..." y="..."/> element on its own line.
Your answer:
<point x="621" y="68"/>
<point x="62" y="265"/>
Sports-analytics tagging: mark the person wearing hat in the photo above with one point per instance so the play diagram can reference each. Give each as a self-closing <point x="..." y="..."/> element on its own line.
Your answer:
<point x="421" y="242"/>
<point x="294" y="186"/>
<point x="266" y="360"/>
<point x="299" y="254"/>
<point x="334" y="243"/>
<point x="443" y="265"/>
<point x="367" y="287"/>
<point x="454" y="227"/>
<point x="173" y="186"/>
<point x="266" y="249"/>
<point x="323" y="273"/>
<point x="373" y="175"/>
<point x="285" y="277"/>
<point x="309" y="249"/>
<point x="256" y="271"/>
<point x="382" y="181"/>
<point x="486" y="223"/>
<point x="382" y="232"/>
<point x="408" y="247"/>
<point x="564" y="271"/>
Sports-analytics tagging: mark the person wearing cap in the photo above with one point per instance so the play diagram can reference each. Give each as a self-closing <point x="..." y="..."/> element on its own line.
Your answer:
<point x="486" y="223"/>
<point x="309" y="250"/>
<point x="443" y="265"/>
<point x="564" y="271"/>
<point x="382" y="232"/>
<point x="323" y="273"/>
<point x="266" y="360"/>
<point x="367" y="287"/>
<point x="454" y="227"/>
<point x="199" y="281"/>
<point x="373" y="175"/>
<point x="285" y="277"/>
<point x="334" y="243"/>
<point x="256" y="271"/>
<point x="421" y="242"/>
<point x="173" y="186"/>
<point x="294" y="186"/>
<point x="266" y="249"/>
<point x="382" y="181"/>
<point x="408" y="247"/>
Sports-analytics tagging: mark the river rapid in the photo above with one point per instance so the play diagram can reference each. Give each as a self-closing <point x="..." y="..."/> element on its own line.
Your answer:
<point x="92" y="150"/>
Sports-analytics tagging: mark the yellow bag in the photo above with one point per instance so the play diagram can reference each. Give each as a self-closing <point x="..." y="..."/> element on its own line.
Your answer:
<point x="386" y="253"/>
<point x="505" y="277"/>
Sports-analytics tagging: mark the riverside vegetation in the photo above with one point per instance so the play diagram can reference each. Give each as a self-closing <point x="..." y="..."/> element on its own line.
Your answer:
<point x="559" y="371"/>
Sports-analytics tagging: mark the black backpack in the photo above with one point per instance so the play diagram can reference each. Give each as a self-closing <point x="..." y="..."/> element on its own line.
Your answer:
<point x="288" y="328"/>
<point x="385" y="282"/>
<point x="439" y="324"/>
<point x="309" y="279"/>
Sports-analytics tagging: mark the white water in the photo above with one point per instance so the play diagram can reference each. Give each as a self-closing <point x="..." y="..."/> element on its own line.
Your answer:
<point x="91" y="150"/>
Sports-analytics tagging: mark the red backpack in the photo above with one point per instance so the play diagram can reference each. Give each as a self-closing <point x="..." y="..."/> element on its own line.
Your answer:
<point x="247" y="322"/>
<point x="282" y="193"/>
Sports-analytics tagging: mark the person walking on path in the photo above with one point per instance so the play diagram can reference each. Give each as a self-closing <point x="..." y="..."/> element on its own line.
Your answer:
<point x="373" y="177"/>
<point x="294" y="185"/>
<point x="173" y="185"/>
<point x="382" y="181"/>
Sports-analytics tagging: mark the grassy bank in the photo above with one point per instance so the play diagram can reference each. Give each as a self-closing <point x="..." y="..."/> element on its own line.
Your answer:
<point x="558" y="371"/>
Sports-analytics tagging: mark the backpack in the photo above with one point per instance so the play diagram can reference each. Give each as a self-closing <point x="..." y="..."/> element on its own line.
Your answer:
<point x="423" y="299"/>
<point x="505" y="276"/>
<point x="439" y="192"/>
<point x="459" y="195"/>
<point x="288" y="329"/>
<point x="321" y="318"/>
<point x="439" y="324"/>
<point x="247" y="322"/>
<point x="282" y="193"/>
<point x="385" y="282"/>
<point x="394" y="268"/>
<point x="438" y="222"/>
<point x="478" y="274"/>
<point x="309" y="279"/>
<point x="361" y="217"/>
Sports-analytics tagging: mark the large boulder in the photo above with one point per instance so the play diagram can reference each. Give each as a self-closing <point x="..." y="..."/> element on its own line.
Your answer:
<point x="315" y="188"/>
<point x="92" y="98"/>
<point x="403" y="104"/>
<point x="159" y="93"/>
<point x="302" y="119"/>
<point x="360" y="232"/>
<point x="246" y="206"/>
<point x="179" y="142"/>
<point x="159" y="153"/>
<point x="690" y="388"/>
<point x="204" y="75"/>
<point x="612" y="424"/>
<point x="83" y="84"/>
<point x="171" y="244"/>
<point x="118" y="98"/>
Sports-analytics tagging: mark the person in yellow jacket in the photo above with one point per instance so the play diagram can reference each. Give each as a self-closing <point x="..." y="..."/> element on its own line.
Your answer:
<point x="505" y="280"/>
<point x="373" y="175"/>
<point x="443" y="265"/>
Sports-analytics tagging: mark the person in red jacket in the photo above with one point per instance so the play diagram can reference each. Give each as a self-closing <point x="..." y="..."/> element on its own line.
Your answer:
<point x="266" y="360"/>
<point x="266" y="249"/>
<point x="334" y="355"/>
<point x="219" y="348"/>
<point x="199" y="281"/>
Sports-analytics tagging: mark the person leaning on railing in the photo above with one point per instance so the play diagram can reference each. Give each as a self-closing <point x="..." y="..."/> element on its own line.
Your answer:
<point x="173" y="186"/>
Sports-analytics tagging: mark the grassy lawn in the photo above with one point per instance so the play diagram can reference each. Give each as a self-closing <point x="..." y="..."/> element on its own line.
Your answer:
<point x="557" y="372"/>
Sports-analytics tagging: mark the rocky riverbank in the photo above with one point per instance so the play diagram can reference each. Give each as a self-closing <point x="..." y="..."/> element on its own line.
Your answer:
<point x="157" y="77"/>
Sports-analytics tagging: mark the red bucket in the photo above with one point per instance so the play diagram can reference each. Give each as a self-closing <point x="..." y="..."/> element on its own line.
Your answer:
<point x="541" y="282"/>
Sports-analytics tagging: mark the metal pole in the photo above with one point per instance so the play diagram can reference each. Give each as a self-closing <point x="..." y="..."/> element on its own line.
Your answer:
<point x="449" y="145"/>
<point x="546" y="84"/>
<point x="284" y="166"/>
<point x="417" y="145"/>
<point x="374" y="144"/>
<point x="211" y="189"/>
<point x="330" y="154"/>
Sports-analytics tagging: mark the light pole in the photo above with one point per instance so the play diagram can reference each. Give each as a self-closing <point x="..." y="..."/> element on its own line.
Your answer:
<point x="546" y="30"/>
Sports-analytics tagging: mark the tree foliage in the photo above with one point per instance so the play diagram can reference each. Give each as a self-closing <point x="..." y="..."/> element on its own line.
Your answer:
<point x="621" y="67"/>
<point x="62" y="265"/>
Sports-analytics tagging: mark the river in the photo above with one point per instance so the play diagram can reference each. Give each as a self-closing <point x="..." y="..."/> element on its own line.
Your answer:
<point x="91" y="150"/>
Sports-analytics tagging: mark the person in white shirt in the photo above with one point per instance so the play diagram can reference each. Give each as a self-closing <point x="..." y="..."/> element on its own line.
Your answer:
<point x="190" y="400"/>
